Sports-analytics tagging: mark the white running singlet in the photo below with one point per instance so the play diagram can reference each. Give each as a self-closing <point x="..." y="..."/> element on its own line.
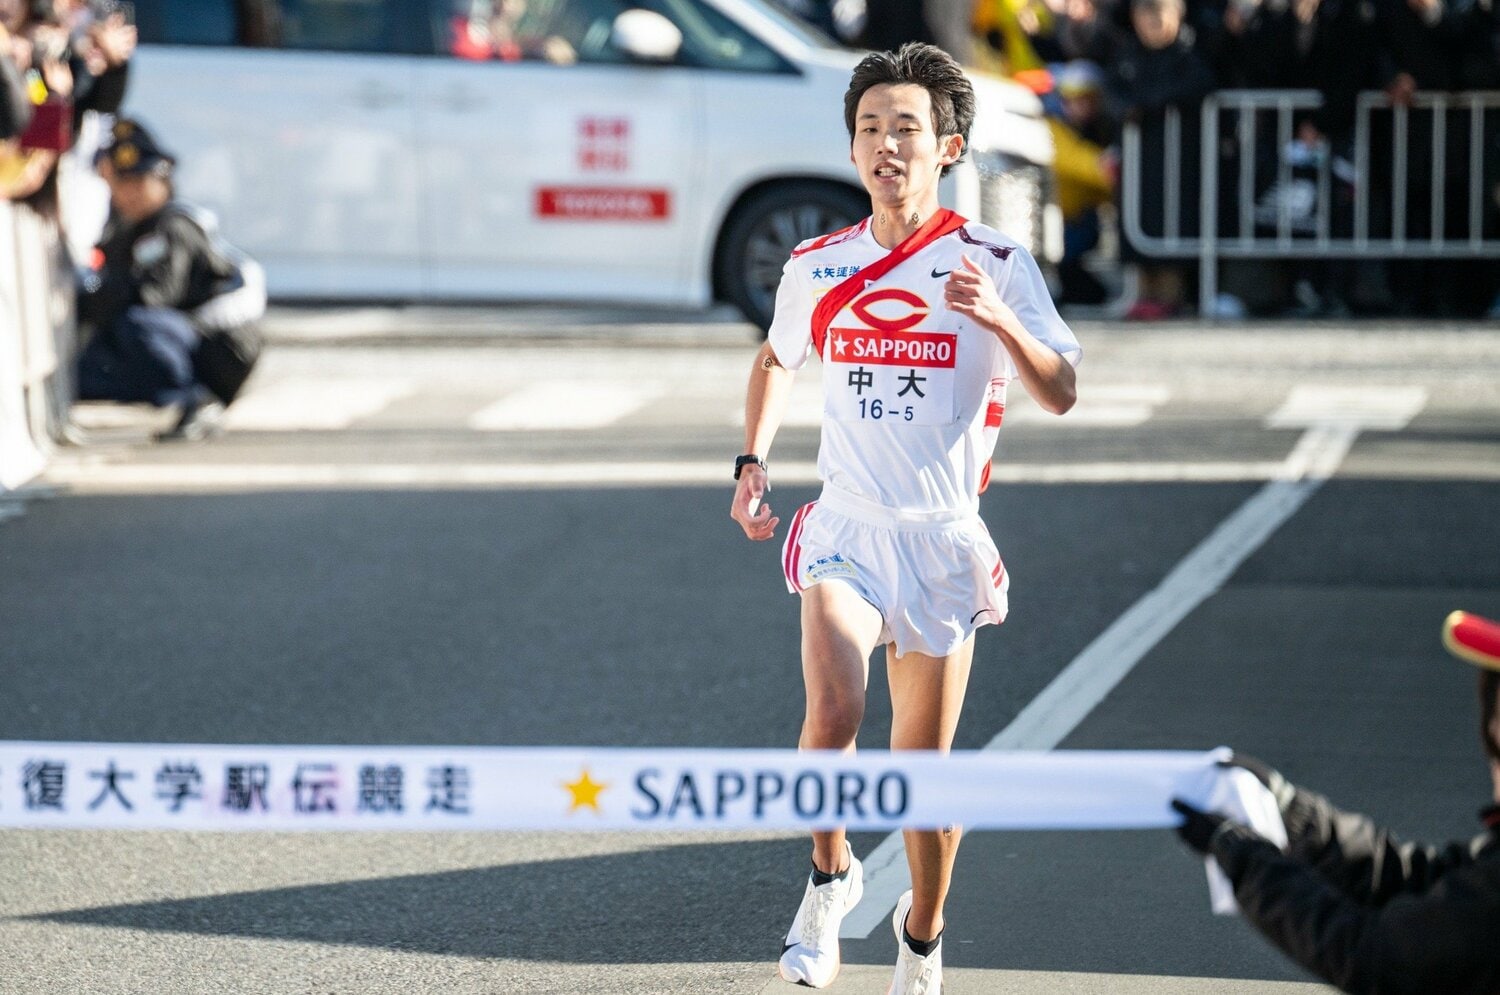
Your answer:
<point x="914" y="393"/>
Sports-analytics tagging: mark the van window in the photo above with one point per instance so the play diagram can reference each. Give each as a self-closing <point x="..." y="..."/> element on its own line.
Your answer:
<point x="341" y="25"/>
<point x="713" y="41"/>
<point x="313" y="25"/>
<point x="566" y="31"/>
<point x="187" y="22"/>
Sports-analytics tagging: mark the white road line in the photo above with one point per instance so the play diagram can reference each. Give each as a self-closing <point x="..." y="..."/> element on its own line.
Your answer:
<point x="100" y="476"/>
<point x="315" y="404"/>
<point x="1106" y="661"/>
<point x="564" y="404"/>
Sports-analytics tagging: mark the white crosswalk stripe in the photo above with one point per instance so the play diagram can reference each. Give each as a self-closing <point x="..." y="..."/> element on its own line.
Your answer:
<point x="1385" y="408"/>
<point x="308" y="403"/>
<point x="804" y="408"/>
<point x="1099" y="406"/>
<point x="562" y="404"/>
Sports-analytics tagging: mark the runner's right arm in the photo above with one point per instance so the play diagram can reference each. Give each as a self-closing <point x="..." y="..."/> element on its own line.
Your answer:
<point x="765" y="404"/>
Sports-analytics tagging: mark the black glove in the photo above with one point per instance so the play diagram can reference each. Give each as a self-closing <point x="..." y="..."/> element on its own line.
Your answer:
<point x="1229" y="842"/>
<point x="1198" y="827"/>
<point x="1280" y="787"/>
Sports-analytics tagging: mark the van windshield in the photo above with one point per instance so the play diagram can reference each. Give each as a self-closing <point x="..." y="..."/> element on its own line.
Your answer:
<point x="807" y="33"/>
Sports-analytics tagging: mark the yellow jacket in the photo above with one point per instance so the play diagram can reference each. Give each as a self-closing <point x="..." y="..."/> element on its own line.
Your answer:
<point x="1003" y="18"/>
<point x="1082" y="182"/>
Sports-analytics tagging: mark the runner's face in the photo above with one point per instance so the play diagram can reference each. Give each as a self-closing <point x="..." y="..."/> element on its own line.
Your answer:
<point x="897" y="150"/>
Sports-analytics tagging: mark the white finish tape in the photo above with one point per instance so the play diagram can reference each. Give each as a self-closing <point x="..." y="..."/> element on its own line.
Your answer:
<point x="169" y="786"/>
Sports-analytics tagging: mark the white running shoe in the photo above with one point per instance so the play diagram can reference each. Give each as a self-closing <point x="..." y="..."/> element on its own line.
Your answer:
<point x="810" y="956"/>
<point x="915" y="975"/>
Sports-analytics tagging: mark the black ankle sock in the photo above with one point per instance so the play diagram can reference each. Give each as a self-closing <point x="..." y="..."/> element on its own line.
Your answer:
<point x="922" y="948"/>
<point x="820" y="878"/>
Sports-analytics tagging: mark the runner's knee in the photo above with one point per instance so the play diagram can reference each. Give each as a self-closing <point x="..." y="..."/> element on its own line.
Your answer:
<point x="832" y="721"/>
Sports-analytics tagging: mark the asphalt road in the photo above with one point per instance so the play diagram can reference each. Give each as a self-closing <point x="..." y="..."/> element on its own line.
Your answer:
<point x="400" y="540"/>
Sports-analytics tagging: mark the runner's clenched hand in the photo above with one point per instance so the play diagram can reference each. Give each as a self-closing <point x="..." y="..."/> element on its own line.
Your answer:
<point x="970" y="292"/>
<point x="754" y="517"/>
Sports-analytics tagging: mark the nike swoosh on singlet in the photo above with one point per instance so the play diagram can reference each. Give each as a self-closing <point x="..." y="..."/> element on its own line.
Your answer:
<point x="936" y="275"/>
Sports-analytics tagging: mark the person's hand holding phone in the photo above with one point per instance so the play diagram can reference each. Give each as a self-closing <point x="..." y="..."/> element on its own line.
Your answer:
<point x="114" y="39"/>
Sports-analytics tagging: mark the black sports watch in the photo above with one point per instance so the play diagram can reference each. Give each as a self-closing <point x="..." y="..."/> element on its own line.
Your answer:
<point x="740" y="462"/>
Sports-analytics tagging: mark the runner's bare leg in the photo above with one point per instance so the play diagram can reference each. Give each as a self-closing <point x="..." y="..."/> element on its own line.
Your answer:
<point x="839" y="631"/>
<point x="927" y="694"/>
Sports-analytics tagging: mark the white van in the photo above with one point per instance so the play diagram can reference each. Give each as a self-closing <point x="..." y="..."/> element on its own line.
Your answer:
<point x="661" y="151"/>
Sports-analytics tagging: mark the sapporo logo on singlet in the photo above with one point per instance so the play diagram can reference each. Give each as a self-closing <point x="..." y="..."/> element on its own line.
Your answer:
<point x="887" y="371"/>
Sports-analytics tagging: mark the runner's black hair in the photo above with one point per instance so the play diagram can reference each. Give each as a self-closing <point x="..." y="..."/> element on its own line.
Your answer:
<point x="926" y="66"/>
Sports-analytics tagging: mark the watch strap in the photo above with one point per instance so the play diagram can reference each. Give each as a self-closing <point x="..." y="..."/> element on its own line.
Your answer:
<point x="740" y="462"/>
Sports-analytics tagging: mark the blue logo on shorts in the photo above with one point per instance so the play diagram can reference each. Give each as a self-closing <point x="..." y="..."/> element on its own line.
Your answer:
<point x="829" y="566"/>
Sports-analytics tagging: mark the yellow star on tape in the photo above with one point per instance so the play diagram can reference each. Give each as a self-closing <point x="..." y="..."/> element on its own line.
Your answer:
<point x="585" y="792"/>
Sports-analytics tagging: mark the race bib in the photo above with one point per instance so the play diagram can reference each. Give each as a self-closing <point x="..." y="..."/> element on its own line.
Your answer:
<point x="888" y="372"/>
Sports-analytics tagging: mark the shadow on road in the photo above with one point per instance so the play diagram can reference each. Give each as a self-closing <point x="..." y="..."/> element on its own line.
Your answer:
<point x="704" y="903"/>
<point x="671" y="905"/>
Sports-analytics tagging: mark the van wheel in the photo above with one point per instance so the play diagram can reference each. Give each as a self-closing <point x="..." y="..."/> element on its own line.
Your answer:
<point x="762" y="232"/>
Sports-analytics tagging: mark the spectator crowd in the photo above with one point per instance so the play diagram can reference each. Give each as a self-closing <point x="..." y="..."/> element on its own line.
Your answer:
<point x="60" y="60"/>
<point x="166" y="309"/>
<point x="1100" y="64"/>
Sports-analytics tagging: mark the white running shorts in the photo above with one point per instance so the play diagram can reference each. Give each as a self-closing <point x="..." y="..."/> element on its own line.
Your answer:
<point x="934" y="581"/>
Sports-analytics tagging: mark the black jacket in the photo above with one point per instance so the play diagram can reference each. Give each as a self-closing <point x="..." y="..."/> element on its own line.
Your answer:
<point x="1368" y="913"/>
<point x="167" y="260"/>
<point x="1142" y="85"/>
<point x="1336" y="54"/>
<point x="1429" y="52"/>
<point x="173" y="259"/>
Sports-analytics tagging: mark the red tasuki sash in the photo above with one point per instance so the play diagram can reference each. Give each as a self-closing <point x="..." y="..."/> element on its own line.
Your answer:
<point x="940" y="224"/>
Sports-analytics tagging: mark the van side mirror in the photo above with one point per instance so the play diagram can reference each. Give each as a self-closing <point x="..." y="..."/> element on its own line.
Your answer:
<point x="646" y="36"/>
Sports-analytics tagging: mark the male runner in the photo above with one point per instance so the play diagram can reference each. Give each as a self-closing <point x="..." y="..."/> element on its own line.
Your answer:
<point x="922" y="319"/>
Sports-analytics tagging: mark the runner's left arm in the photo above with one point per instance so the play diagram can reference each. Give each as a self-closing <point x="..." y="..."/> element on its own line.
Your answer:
<point x="1046" y="371"/>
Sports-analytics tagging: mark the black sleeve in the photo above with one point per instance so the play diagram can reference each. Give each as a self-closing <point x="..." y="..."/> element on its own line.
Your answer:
<point x="171" y="251"/>
<point x="106" y="92"/>
<point x="1178" y="77"/>
<point x="1358" y="858"/>
<point x="1441" y="942"/>
<point x="15" y="109"/>
<point x="166" y="281"/>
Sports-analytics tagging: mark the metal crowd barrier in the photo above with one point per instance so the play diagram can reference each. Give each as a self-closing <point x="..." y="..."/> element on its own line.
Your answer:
<point x="1292" y="235"/>
<point x="36" y="332"/>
